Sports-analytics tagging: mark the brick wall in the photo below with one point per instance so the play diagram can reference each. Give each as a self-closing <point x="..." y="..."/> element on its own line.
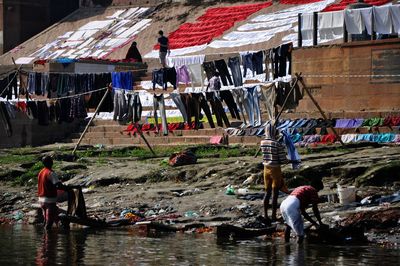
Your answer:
<point x="351" y="94"/>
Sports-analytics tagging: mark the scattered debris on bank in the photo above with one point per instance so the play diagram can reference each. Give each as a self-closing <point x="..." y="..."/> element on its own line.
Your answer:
<point x="221" y="192"/>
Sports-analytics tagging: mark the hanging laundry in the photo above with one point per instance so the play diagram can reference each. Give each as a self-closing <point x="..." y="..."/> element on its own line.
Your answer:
<point x="234" y="65"/>
<point x="223" y="72"/>
<point x="226" y="96"/>
<point x="120" y="106"/>
<point x="8" y="86"/>
<point x="200" y="103"/>
<point x="162" y="76"/>
<point x="218" y="109"/>
<point x="196" y="75"/>
<point x="122" y="80"/>
<point x="210" y="69"/>
<point x="252" y="101"/>
<point x="5" y="120"/>
<point x="182" y="75"/>
<point x="159" y="104"/>
<point x="134" y="108"/>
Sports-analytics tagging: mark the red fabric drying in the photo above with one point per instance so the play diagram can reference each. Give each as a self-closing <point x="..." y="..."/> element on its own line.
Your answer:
<point x="330" y="138"/>
<point x="297" y="2"/>
<point x="210" y="25"/>
<point x="344" y="3"/>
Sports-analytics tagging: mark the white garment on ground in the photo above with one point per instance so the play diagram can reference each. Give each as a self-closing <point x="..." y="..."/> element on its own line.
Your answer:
<point x="354" y="21"/>
<point x="178" y="61"/>
<point x="236" y="43"/>
<point x="254" y="35"/>
<point x="348" y="138"/>
<point x="382" y="19"/>
<point x="66" y="35"/>
<point x="268" y="25"/>
<point x="395" y="15"/>
<point x="330" y="25"/>
<point x="177" y="52"/>
<point x="290" y="209"/>
<point x="129" y="12"/>
<point x="117" y="13"/>
<point x="24" y="60"/>
<point x="82" y="35"/>
<point x="96" y="25"/>
<point x="85" y="43"/>
<point x="144" y="23"/>
<point x="119" y="24"/>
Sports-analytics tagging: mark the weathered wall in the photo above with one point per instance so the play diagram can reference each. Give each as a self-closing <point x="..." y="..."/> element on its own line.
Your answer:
<point x="351" y="94"/>
<point x="28" y="132"/>
<point x="23" y="19"/>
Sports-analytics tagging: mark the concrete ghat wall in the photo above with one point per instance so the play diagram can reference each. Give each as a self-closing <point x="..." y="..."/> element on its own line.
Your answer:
<point x="27" y="132"/>
<point x="351" y="94"/>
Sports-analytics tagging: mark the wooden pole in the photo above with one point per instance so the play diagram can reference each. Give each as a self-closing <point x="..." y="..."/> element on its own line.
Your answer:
<point x="318" y="107"/>
<point x="283" y="107"/>
<point x="144" y="139"/>
<point x="91" y="119"/>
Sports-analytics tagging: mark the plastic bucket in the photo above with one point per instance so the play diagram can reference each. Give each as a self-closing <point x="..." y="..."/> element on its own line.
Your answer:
<point x="347" y="195"/>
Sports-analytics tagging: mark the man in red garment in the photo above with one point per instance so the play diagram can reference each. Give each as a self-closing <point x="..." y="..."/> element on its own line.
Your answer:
<point x="48" y="183"/>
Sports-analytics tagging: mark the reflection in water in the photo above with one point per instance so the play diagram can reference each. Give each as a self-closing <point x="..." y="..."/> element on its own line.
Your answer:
<point x="32" y="245"/>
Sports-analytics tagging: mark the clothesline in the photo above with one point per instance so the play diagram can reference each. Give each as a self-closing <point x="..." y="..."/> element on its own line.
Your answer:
<point x="60" y="98"/>
<point x="348" y="76"/>
<point x="9" y="83"/>
<point x="72" y="73"/>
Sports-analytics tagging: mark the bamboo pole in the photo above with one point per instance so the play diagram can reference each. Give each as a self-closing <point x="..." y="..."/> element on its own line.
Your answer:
<point x="144" y="139"/>
<point x="91" y="119"/>
<point x="283" y="108"/>
<point x="318" y="107"/>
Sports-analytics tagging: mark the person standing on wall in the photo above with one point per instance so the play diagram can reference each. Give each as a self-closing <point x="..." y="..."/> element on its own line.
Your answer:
<point x="164" y="48"/>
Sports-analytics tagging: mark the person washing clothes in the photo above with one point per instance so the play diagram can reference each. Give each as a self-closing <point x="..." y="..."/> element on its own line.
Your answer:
<point x="296" y="204"/>
<point x="274" y="156"/>
<point x="48" y="184"/>
<point x="164" y="48"/>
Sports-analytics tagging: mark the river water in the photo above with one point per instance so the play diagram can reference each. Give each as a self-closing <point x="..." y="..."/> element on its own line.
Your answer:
<point x="30" y="245"/>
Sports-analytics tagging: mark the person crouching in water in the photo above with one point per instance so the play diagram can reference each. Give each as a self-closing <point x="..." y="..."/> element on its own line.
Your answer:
<point x="48" y="183"/>
<point x="296" y="204"/>
<point x="274" y="155"/>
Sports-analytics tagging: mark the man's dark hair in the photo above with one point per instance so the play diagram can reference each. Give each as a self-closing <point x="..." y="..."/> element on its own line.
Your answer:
<point x="161" y="32"/>
<point x="317" y="184"/>
<point x="47" y="161"/>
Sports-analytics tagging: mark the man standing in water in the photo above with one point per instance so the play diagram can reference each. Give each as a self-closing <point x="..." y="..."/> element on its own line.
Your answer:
<point x="164" y="48"/>
<point x="295" y="205"/>
<point x="48" y="183"/>
<point x="274" y="155"/>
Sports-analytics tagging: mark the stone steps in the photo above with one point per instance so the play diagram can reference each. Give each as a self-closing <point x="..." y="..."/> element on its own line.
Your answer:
<point x="138" y="141"/>
<point x="117" y="132"/>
